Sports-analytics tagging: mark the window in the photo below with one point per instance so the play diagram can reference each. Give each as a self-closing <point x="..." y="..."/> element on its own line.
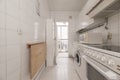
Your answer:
<point x="62" y="36"/>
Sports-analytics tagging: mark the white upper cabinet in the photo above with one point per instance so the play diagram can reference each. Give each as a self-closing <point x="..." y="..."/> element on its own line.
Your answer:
<point x="91" y="9"/>
<point x="98" y="6"/>
<point x="84" y="19"/>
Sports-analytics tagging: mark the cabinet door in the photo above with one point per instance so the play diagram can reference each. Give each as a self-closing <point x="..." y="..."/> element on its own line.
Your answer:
<point x="101" y="5"/>
<point x="83" y="18"/>
<point x="38" y="57"/>
<point x="92" y="5"/>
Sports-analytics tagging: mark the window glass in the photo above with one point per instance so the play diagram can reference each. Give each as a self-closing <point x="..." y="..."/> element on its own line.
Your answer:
<point x="64" y="33"/>
<point x="59" y="32"/>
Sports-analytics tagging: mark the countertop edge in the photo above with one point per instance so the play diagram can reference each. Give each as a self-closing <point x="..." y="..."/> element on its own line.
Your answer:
<point x="34" y="43"/>
<point x="104" y="51"/>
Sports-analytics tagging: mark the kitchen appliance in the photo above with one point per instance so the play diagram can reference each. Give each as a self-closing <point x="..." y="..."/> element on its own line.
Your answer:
<point x="100" y="65"/>
<point x="77" y="59"/>
<point x="77" y="62"/>
<point x="80" y="63"/>
<point x="108" y="47"/>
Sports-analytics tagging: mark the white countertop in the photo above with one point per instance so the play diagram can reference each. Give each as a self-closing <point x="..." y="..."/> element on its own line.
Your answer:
<point x="116" y="54"/>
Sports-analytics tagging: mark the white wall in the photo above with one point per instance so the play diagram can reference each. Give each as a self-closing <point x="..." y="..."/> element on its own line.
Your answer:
<point x="18" y="16"/>
<point x="50" y="43"/>
<point x="64" y="16"/>
<point x="113" y="28"/>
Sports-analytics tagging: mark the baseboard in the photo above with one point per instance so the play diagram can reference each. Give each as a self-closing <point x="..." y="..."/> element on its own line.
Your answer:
<point x="37" y="76"/>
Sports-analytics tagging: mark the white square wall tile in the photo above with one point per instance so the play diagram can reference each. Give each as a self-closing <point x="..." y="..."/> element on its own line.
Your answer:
<point x="2" y="5"/>
<point x="24" y="49"/>
<point x="14" y="76"/>
<point x="4" y="71"/>
<point x="114" y="25"/>
<point x="25" y="77"/>
<point x="0" y="71"/>
<point x="13" y="65"/>
<point x="12" y="8"/>
<point x="13" y="3"/>
<point x="3" y="55"/>
<point x="26" y="4"/>
<point x="2" y="37"/>
<point x="12" y="23"/>
<point x="12" y="37"/>
<point x="13" y="51"/>
<point x="22" y="4"/>
<point x="25" y="61"/>
<point x="25" y="73"/>
<point x="3" y="63"/>
<point x="2" y="20"/>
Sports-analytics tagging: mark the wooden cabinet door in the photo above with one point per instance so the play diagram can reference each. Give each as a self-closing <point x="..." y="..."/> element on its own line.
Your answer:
<point x="37" y="58"/>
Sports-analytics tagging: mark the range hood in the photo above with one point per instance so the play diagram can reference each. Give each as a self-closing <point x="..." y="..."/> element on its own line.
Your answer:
<point x="100" y="18"/>
<point x="97" y="23"/>
<point x="109" y="10"/>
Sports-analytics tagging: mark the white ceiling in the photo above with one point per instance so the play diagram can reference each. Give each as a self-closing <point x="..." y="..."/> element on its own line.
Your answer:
<point x="66" y="5"/>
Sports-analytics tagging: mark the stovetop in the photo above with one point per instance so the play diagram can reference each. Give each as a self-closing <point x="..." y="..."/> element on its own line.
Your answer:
<point x="106" y="47"/>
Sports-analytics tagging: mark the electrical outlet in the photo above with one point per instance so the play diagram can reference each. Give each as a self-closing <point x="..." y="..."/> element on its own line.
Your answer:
<point x="109" y="36"/>
<point x="20" y="32"/>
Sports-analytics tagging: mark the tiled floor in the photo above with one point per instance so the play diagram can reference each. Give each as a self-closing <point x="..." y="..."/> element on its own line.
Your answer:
<point x="63" y="55"/>
<point x="64" y="70"/>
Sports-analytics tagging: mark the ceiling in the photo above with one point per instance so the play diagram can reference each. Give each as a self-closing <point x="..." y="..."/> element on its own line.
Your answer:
<point x="66" y="5"/>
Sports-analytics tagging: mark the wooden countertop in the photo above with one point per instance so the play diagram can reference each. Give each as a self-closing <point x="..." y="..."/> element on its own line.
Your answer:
<point x="33" y="43"/>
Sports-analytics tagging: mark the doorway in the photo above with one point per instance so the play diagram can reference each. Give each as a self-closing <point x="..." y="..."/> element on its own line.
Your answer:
<point x="62" y="39"/>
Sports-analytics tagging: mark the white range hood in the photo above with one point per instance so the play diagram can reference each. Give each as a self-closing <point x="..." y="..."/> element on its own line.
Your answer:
<point x="110" y="10"/>
<point x="98" y="22"/>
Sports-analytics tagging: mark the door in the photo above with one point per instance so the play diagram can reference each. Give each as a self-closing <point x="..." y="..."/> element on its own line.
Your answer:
<point x="62" y="37"/>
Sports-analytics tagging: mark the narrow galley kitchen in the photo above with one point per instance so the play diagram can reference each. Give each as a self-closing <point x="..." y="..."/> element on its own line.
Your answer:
<point x="27" y="45"/>
<point x="59" y="39"/>
<point x="64" y="68"/>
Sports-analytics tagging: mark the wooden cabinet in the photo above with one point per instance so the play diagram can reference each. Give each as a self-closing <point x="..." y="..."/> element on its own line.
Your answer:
<point x="37" y="57"/>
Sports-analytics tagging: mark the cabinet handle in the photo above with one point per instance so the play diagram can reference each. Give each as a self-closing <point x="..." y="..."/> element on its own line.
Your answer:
<point x="94" y="7"/>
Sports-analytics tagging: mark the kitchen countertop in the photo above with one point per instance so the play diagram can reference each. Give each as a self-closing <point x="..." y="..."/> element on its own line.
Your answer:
<point x="33" y="43"/>
<point x="111" y="50"/>
<point x="107" y="47"/>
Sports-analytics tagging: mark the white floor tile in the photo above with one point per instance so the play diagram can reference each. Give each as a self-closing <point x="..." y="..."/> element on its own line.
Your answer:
<point x="63" y="55"/>
<point x="64" y="70"/>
